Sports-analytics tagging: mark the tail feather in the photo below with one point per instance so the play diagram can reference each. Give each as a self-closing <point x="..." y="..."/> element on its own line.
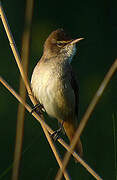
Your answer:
<point x="70" y="130"/>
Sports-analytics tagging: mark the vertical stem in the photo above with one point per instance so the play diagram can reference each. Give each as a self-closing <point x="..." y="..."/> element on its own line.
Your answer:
<point x="22" y="90"/>
<point x="15" y="53"/>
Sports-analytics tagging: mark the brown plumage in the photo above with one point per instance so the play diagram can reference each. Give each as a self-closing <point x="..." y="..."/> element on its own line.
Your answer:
<point x="54" y="83"/>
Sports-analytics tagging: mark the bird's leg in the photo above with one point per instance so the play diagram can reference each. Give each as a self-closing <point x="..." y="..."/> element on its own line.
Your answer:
<point x="55" y="134"/>
<point x="61" y="126"/>
<point x="38" y="108"/>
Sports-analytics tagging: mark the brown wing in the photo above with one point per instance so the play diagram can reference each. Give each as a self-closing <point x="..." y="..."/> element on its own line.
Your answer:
<point x="74" y="84"/>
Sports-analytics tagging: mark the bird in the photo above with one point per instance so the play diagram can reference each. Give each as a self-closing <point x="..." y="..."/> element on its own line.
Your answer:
<point x="55" y="85"/>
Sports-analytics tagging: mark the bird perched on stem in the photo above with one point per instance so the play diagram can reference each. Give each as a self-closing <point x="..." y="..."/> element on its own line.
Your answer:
<point x="54" y="84"/>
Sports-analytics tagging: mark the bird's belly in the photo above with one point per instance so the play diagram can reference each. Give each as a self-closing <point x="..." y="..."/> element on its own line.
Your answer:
<point x="55" y="94"/>
<point x="58" y="102"/>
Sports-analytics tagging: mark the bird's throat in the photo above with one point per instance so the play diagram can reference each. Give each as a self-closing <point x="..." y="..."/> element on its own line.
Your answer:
<point x="68" y="52"/>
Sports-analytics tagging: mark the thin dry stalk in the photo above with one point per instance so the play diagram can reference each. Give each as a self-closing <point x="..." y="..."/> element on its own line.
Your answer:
<point x="15" y="53"/>
<point x="22" y="90"/>
<point x="26" y="82"/>
<point x="88" y="168"/>
<point x="87" y="114"/>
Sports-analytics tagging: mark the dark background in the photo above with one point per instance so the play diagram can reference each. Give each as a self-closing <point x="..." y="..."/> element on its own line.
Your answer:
<point x="96" y="21"/>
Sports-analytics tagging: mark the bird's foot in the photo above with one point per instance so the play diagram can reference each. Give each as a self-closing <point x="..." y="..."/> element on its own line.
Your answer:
<point x="56" y="134"/>
<point x="38" y="108"/>
<point x="60" y="124"/>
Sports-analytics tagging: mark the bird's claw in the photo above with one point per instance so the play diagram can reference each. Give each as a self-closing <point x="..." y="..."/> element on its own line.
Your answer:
<point x="38" y="108"/>
<point x="56" y="134"/>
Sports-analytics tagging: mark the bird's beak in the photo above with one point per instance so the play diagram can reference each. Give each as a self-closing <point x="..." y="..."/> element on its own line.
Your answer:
<point x="76" y="40"/>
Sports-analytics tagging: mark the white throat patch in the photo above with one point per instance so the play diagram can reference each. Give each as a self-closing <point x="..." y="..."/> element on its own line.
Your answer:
<point x="69" y="52"/>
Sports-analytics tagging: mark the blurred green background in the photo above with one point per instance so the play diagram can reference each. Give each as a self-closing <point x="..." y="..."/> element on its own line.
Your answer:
<point x="96" y="21"/>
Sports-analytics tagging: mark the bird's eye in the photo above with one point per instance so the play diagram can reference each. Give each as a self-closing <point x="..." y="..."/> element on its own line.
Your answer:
<point x="60" y="44"/>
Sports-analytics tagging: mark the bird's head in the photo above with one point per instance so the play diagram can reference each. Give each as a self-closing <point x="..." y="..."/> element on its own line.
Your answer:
<point x="59" y="43"/>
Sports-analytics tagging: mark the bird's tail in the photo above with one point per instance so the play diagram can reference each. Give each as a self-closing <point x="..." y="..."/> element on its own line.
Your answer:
<point x="70" y="130"/>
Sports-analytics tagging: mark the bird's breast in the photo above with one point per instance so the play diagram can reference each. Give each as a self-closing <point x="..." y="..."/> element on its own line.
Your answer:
<point x="52" y="88"/>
